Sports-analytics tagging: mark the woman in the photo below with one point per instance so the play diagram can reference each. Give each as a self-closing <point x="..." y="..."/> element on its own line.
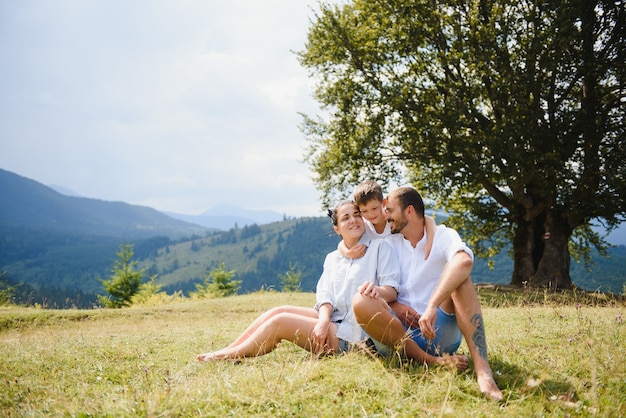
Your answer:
<point x="330" y="326"/>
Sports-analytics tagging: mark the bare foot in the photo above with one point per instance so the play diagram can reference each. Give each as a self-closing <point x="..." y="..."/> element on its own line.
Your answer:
<point x="206" y="357"/>
<point x="488" y="387"/>
<point x="454" y="362"/>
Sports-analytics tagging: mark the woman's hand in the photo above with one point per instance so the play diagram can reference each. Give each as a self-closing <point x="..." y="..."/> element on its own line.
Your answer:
<point x="321" y="336"/>
<point x="369" y="289"/>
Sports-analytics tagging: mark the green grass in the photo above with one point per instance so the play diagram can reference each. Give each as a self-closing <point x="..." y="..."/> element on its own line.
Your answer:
<point x="550" y="359"/>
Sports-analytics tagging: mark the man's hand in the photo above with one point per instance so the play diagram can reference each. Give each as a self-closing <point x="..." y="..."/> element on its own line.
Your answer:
<point x="407" y="315"/>
<point x="427" y="322"/>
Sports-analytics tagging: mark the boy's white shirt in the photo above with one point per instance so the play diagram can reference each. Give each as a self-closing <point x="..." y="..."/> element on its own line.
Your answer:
<point x="371" y="231"/>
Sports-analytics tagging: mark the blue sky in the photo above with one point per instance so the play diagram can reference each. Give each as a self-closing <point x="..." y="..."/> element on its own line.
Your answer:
<point x="176" y="105"/>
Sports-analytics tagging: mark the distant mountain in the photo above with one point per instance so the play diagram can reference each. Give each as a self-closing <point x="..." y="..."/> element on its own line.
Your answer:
<point x="225" y="217"/>
<point x="617" y="236"/>
<point x="27" y="203"/>
<point x="64" y="190"/>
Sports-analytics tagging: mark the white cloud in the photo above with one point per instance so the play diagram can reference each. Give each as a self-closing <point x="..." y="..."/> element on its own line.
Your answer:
<point x="178" y="105"/>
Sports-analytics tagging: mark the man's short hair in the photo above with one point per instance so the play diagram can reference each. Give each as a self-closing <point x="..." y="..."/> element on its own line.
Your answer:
<point x="408" y="196"/>
<point x="367" y="191"/>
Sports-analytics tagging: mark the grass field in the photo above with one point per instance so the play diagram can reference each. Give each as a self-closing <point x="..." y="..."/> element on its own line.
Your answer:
<point x="564" y="358"/>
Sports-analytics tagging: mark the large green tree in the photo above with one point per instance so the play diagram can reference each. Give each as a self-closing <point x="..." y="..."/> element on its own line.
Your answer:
<point x="507" y="113"/>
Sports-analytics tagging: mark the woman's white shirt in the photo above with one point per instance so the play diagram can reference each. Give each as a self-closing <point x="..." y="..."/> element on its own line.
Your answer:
<point x="342" y="277"/>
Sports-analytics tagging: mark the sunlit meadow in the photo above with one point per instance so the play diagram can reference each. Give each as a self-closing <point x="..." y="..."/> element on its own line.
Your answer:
<point x="551" y="356"/>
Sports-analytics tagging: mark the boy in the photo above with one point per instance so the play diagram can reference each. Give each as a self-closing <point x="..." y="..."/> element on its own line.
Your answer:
<point x="369" y="198"/>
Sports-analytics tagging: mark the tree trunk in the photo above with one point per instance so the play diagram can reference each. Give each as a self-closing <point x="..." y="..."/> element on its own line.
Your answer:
<point x="523" y="248"/>
<point x="541" y="254"/>
<point x="553" y="269"/>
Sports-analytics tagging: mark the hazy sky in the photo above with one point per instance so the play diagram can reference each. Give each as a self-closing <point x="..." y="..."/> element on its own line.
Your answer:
<point x="177" y="105"/>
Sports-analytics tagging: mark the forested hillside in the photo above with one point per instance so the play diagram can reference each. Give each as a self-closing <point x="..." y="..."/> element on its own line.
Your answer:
<point x="258" y="254"/>
<point x="54" y="248"/>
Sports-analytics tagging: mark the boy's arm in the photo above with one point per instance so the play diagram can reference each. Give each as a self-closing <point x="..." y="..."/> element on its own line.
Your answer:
<point x="431" y="229"/>
<point x="357" y="251"/>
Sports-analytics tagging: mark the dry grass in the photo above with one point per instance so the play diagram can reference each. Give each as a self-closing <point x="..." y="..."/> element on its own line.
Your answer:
<point x="550" y="360"/>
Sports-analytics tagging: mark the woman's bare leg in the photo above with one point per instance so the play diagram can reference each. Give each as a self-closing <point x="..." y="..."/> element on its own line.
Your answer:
<point x="267" y="315"/>
<point x="284" y="326"/>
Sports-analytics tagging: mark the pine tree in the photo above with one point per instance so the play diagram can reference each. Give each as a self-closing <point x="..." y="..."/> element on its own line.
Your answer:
<point x="219" y="283"/>
<point x="124" y="281"/>
<point x="292" y="279"/>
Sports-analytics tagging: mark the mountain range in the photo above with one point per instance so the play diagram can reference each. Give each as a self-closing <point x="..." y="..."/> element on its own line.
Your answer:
<point x="222" y="216"/>
<point x="60" y="245"/>
<point x="226" y="216"/>
<point x="27" y="203"/>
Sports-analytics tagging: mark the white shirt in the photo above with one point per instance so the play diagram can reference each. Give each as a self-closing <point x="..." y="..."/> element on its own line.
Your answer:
<point x="369" y="229"/>
<point x="419" y="276"/>
<point x="342" y="277"/>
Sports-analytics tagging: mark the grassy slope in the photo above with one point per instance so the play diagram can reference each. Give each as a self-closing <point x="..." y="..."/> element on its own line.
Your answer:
<point x="550" y="359"/>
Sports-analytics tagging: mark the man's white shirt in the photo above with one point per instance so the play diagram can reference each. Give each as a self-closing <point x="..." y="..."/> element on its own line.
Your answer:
<point x="419" y="277"/>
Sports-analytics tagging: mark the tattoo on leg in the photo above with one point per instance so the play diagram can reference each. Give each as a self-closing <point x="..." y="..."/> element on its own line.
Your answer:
<point x="479" y="335"/>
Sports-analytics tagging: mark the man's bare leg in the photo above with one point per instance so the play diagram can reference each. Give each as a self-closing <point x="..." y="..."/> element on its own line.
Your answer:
<point x="375" y="318"/>
<point x="470" y="321"/>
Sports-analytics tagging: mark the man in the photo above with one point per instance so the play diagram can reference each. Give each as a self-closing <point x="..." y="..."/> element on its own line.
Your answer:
<point x="436" y="301"/>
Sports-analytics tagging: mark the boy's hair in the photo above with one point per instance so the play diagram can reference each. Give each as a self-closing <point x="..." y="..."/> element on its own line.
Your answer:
<point x="367" y="191"/>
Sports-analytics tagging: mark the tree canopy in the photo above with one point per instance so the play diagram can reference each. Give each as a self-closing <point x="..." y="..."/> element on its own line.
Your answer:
<point x="507" y="114"/>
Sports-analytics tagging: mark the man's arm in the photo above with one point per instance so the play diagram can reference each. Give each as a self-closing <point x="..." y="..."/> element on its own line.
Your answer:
<point x="407" y="315"/>
<point x="456" y="272"/>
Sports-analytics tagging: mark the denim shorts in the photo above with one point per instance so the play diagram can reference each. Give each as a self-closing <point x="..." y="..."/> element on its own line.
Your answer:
<point x="447" y="340"/>
<point x="346" y="346"/>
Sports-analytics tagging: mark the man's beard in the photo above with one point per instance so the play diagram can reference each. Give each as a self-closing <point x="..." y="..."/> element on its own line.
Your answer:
<point x="398" y="225"/>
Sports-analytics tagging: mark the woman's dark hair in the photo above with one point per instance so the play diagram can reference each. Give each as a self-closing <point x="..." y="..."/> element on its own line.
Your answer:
<point x="332" y="213"/>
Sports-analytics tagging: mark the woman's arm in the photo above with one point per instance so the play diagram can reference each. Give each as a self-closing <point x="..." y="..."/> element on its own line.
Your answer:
<point x="386" y="293"/>
<point x="321" y="331"/>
